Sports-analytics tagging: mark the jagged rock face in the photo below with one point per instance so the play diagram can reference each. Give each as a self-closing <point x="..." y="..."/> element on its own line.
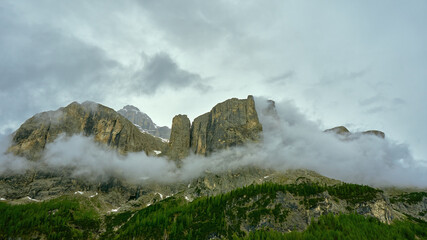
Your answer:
<point x="343" y="131"/>
<point x="141" y="119"/>
<point x="180" y="137"/>
<point x="88" y="119"/>
<point x="229" y="123"/>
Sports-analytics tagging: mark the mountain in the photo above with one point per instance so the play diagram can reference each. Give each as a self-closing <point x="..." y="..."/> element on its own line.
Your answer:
<point x="230" y="123"/>
<point x="344" y="132"/>
<point x="104" y="124"/>
<point x="144" y="122"/>
<point x="246" y="202"/>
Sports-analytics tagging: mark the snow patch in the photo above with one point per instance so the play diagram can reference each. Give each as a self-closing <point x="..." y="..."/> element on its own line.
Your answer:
<point x="115" y="210"/>
<point x="157" y="152"/>
<point x="189" y="185"/>
<point x="32" y="199"/>
<point x="267" y="176"/>
<point x="148" y="204"/>
<point x="79" y="192"/>
<point x="2" y="199"/>
<point x="91" y="196"/>
<point x="161" y="195"/>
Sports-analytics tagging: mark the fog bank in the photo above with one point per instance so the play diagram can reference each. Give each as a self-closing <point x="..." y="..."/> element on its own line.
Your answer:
<point x="289" y="141"/>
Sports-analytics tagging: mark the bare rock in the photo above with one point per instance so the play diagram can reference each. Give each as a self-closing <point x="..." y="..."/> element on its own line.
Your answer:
<point x="89" y="119"/>
<point x="179" y="144"/>
<point x="228" y="124"/>
<point x="143" y="121"/>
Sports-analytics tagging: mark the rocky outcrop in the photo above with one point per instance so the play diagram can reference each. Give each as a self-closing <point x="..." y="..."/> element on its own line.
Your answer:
<point x="144" y="122"/>
<point x="231" y="123"/>
<point x="179" y="144"/>
<point x="199" y="130"/>
<point x="228" y="124"/>
<point x="89" y="119"/>
<point x="343" y="131"/>
<point x="375" y="133"/>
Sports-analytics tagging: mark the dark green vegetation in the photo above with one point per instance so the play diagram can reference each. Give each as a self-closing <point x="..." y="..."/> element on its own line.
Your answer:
<point x="410" y="198"/>
<point x="349" y="226"/>
<point x="239" y="214"/>
<point x="222" y="216"/>
<point x="60" y="218"/>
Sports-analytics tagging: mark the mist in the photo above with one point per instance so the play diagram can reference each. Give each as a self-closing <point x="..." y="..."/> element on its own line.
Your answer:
<point x="289" y="141"/>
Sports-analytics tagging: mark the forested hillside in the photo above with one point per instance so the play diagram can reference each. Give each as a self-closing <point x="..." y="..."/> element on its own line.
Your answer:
<point x="254" y="212"/>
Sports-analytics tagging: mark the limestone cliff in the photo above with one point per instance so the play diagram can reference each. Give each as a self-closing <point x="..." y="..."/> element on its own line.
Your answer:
<point x="180" y="137"/>
<point x="199" y="130"/>
<point x="228" y="124"/>
<point x="88" y="119"/>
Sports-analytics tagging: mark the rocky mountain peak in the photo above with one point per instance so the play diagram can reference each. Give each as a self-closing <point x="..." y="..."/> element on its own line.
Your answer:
<point x="131" y="108"/>
<point x="344" y="132"/>
<point x="179" y="144"/>
<point x="230" y="123"/>
<point x="144" y="122"/>
<point x="341" y="130"/>
<point x="89" y="119"/>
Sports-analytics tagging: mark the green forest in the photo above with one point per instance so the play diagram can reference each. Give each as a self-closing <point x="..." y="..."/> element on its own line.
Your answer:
<point x="219" y="217"/>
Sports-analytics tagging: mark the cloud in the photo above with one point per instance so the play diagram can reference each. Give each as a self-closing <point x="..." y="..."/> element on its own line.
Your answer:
<point x="296" y="142"/>
<point x="282" y="78"/>
<point x="42" y="66"/>
<point x="10" y="164"/>
<point x="371" y="100"/>
<point x="160" y="71"/>
<point x="289" y="141"/>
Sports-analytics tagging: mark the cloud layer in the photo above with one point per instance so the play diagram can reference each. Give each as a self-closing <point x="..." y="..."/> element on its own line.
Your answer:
<point x="361" y="63"/>
<point x="290" y="141"/>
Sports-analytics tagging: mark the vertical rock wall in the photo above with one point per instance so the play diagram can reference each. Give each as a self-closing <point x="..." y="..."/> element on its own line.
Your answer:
<point x="230" y="123"/>
<point x="179" y="143"/>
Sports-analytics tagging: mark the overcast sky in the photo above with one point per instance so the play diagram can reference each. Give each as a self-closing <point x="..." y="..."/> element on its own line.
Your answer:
<point x="362" y="64"/>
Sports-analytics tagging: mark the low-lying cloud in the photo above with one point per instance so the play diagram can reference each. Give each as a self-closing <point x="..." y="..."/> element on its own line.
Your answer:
<point x="290" y="141"/>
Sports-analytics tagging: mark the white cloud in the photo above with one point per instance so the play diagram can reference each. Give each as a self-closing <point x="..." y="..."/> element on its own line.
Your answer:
<point x="289" y="142"/>
<point x="340" y="54"/>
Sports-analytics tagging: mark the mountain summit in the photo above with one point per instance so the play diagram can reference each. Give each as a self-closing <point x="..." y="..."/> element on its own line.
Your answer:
<point x="163" y="196"/>
<point x="144" y="122"/>
<point x="230" y="123"/>
<point x="89" y="119"/>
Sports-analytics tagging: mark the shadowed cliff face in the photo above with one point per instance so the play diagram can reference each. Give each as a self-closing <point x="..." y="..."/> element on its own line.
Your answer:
<point x="230" y="123"/>
<point x="89" y="119"/>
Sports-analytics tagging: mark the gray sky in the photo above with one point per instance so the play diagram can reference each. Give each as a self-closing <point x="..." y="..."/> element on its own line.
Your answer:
<point x="362" y="64"/>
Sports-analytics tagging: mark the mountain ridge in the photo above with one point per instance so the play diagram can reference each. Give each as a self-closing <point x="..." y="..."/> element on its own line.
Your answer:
<point x="90" y="119"/>
<point x="254" y="198"/>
